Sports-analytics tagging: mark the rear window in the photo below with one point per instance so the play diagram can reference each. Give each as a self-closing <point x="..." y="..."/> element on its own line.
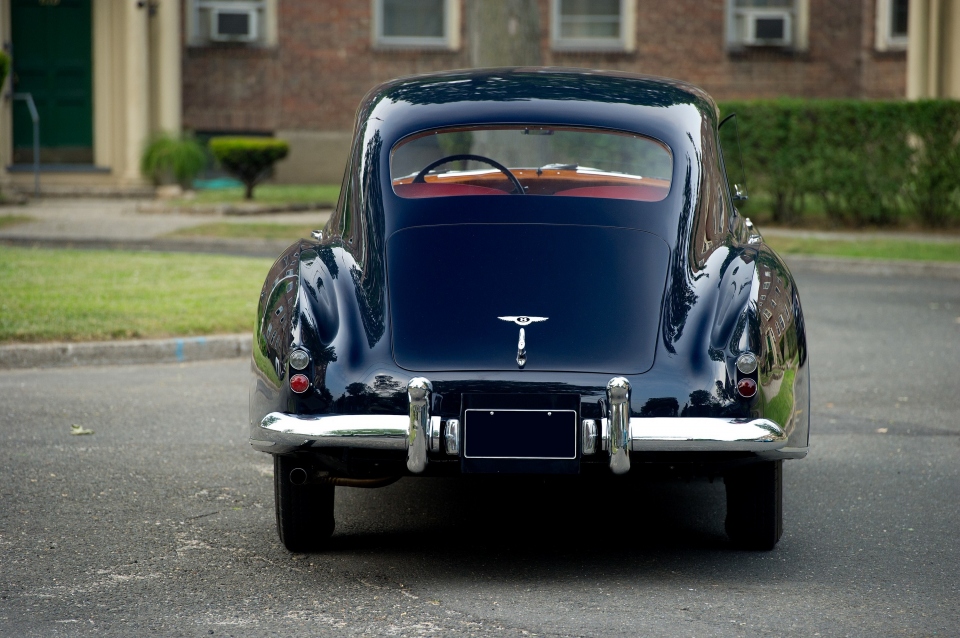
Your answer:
<point x="540" y="160"/>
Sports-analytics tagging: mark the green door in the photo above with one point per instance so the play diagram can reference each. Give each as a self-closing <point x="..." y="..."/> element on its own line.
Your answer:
<point x="52" y="60"/>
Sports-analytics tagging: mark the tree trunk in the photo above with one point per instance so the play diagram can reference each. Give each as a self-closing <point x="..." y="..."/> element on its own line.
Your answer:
<point x="503" y="33"/>
<point x="249" y="189"/>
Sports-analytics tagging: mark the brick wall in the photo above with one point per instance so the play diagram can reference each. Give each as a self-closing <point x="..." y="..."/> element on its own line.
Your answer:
<point x="325" y="62"/>
<point x="883" y="74"/>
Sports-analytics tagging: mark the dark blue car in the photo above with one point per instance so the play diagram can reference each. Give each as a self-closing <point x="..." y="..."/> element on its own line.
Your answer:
<point x="531" y="271"/>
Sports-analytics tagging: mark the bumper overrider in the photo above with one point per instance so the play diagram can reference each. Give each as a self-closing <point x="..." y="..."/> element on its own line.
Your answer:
<point x="419" y="433"/>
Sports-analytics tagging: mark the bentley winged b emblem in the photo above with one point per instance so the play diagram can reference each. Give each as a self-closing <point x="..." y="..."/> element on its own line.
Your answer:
<point x="521" y="321"/>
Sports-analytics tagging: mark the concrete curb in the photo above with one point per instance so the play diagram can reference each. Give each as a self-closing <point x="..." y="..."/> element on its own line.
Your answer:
<point x="875" y="267"/>
<point x="272" y="248"/>
<point x="51" y="355"/>
<point x="239" y="209"/>
<point x="57" y="355"/>
<point x="210" y="245"/>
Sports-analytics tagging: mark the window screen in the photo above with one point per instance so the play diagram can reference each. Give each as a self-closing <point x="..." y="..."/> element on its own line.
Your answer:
<point x="770" y="28"/>
<point x="589" y="18"/>
<point x="413" y="18"/>
<point x="233" y="23"/>
<point x="899" y="11"/>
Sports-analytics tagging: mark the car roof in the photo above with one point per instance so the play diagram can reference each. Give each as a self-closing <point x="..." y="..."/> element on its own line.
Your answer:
<point x="676" y="113"/>
<point x="558" y="94"/>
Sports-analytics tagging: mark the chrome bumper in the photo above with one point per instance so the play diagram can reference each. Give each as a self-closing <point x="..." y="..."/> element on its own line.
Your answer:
<point x="414" y="433"/>
<point x="418" y="432"/>
<point x="281" y="433"/>
<point x="705" y="435"/>
<point x="670" y="434"/>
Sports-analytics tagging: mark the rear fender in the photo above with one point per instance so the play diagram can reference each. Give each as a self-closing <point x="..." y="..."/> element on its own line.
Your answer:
<point x="784" y="393"/>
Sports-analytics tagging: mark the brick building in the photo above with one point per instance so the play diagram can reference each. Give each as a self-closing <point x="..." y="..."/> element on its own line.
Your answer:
<point x="297" y="69"/>
<point x="305" y="86"/>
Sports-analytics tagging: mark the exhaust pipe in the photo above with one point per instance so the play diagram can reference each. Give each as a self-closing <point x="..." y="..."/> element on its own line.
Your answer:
<point x="299" y="477"/>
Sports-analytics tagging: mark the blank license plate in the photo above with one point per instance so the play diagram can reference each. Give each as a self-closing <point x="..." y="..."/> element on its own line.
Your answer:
<point x="520" y="434"/>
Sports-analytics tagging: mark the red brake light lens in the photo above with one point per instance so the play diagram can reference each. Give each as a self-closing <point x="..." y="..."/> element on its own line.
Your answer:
<point x="299" y="383"/>
<point x="747" y="387"/>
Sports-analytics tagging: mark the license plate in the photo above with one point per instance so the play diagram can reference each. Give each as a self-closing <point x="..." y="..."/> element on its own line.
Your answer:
<point x="520" y="434"/>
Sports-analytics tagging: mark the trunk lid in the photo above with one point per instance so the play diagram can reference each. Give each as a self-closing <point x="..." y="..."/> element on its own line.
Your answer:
<point x="588" y="298"/>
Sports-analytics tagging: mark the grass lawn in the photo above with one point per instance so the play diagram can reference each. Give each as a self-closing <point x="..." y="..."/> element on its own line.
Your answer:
<point x="249" y="230"/>
<point x="78" y="295"/>
<point x="866" y="248"/>
<point x="323" y="194"/>
<point x="13" y="220"/>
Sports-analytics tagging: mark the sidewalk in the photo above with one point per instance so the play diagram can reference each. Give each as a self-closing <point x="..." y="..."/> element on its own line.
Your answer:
<point x="852" y="235"/>
<point x="117" y="224"/>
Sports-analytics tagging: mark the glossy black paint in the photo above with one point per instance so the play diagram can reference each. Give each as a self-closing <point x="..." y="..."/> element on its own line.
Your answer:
<point x="596" y="321"/>
<point x="383" y="281"/>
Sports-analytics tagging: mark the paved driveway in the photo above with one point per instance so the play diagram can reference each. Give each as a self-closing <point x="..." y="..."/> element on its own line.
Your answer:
<point x="162" y="521"/>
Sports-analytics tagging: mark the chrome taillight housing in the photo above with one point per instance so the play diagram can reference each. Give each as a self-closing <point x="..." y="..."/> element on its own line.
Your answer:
<point x="299" y="359"/>
<point x="299" y="383"/>
<point x="747" y="364"/>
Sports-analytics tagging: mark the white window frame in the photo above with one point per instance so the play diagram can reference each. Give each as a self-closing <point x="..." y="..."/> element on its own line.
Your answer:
<point x="625" y="42"/>
<point x="798" y="25"/>
<point x="265" y="21"/>
<point x="885" y="39"/>
<point x="450" y="40"/>
<point x="752" y="15"/>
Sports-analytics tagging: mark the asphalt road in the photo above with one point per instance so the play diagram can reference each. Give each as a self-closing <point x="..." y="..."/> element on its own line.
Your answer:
<point x="161" y="522"/>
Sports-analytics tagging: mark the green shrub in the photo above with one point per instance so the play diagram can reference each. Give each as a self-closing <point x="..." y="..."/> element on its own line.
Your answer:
<point x="167" y="158"/>
<point x="248" y="158"/>
<point x="4" y="71"/>
<point x="4" y="67"/>
<point x="863" y="162"/>
<point x="932" y="190"/>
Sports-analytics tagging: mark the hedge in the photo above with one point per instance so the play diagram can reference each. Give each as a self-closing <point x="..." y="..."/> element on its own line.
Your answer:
<point x="248" y="158"/>
<point x="167" y="158"/>
<point x="863" y="162"/>
<point x="4" y="67"/>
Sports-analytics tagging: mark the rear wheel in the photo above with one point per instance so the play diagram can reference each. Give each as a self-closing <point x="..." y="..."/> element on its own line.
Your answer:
<point x="304" y="511"/>
<point x="755" y="505"/>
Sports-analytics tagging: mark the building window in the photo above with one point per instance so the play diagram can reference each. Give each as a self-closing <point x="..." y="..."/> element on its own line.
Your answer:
<point x="418" y="24"/>
<point x="892" y="25"/>
<point x="250" y="22"/>
<point x="592" y="25"/>
<point x="767" y="23"/>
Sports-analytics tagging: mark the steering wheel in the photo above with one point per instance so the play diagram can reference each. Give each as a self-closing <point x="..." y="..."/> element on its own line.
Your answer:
<point x="518" y="187"/>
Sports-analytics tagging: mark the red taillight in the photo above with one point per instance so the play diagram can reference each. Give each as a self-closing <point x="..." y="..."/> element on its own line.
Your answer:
<point x="299" y="383"/>
<point x="747" y="387"/>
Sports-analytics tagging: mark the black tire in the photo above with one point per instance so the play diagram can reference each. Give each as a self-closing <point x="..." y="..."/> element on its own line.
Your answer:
<point x="755" y="505"/>
<point x="304" y="512"/>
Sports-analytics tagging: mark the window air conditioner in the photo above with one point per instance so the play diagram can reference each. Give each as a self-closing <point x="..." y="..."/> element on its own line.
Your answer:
<point x="770" y="28"/>
<point x="233" y="25"/>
